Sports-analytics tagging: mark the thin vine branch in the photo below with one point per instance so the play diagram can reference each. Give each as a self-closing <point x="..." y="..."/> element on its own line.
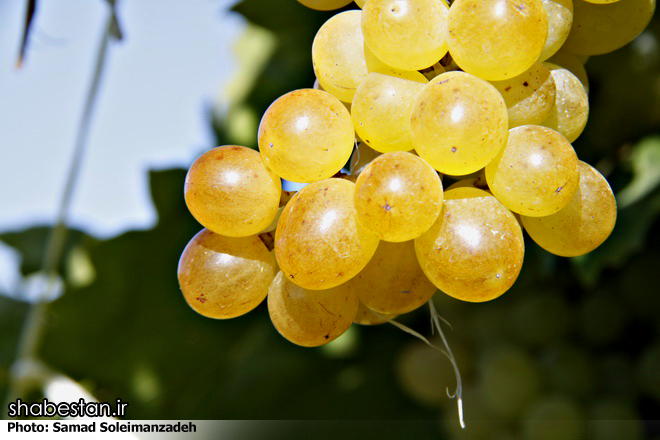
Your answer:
<point x="435" y="325"/>
<point x="33" y="326"/>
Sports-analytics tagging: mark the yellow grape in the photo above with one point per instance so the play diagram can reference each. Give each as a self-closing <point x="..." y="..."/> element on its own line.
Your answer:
<point x="381" y="111"/>
<point x="398" y="196"/>
<point x="536" y="174"/>
<point x="361" y="158"/>
<point x="366" y="316"/>
<point x="560" y="19"/>
<point x="393" y="282"/>
<point x="529" y="96"/>
<point x="583" y="224"/>
<point x="571" y="110"/>
<point x="310" y="317"/>
<point x="319" y="242"/>
<point x="325" y="5"/>
<point x="496" y="39"/>
<point x="458" y="123"/>
<point x="306" y="135"/>
<point x="360" y="3"/>
<point x="474" y="251"/>
<point x="603" y="28"/>
<point x="225" y="277"/>
<point x="406" y="34"/>
<point x="572" y="63"/>
<point x="338" y="54"/>
<point x="230" y="191"/>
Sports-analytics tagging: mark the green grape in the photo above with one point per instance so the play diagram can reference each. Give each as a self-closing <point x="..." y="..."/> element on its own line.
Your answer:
<point x="570" y="370"/>
<point x="310" y="318"/>
<point x="583" y="224"/>
<point x="306" y="135"/>
<point x="366" y="316"/>
<point x="573" y="64"/>
<point x="398" y="196"/>
<point x="510" y="380"/>
<point x="554" y="417"/>
<point x="325" y="5"/>
<point x="225" y="277"/>
<point x="459" y="123"/>
<point x="529" y="96"/>
<point x="540" y="319"/>
<point x="406" y="34"/>
<point x="600" y="28"/>
<point x="361" y="158"/>
<point x="496" y="39"/>
<point x="319" y="243"/>
<point x="536" y="174"/>
<point x="381" y="111"/>
<point x="614" y="419"/>
<point x="648" y="366"/>
<point x="230" y="191"/>
<point x="424" y="374"/>
<point x="338" y="54"/>
<point x="560" y="19"/>
<point x="393" y="283"/>
<point x="602" y="320"/>
<point x="474" y="251"/>
<point x="571" y="111"/>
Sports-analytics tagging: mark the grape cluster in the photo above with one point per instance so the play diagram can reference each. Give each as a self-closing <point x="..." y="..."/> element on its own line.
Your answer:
<point x="484" y="94"/>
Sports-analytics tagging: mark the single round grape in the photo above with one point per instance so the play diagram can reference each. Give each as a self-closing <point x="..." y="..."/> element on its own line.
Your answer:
<point x="536" y="174"/>
<point x="560" y="19"/>
<point x="510" y="380"/>
<point x="570" y="370"/>
<point x="572" y="63"/>
<point x="424" y="374"/>
<point x="381" y="111"/>
<point x="225" y="277"/>
<point x="459" y="123"/>
<point x="361" y="158"/>
<point x="647" y="371"/>
<point x="230" y="191"/>
<point x="540" y="319"/>
<point x="496" y="39"/>
<point x="529" y="96"/>
<point x="583" y="224"/>
<point x="393" y="282"/>
<point x="306" y="135"/>
<point x="325" y="5"/>
<point x="406" y="34"/>
<point x="398" y="196"/>
<point x="571" y="111"/>
<point x="366" y="316"/>
<point x="310" y="318"/>
<point x="612" y="419"/>
<point x="599" y="29"/>
<point x="555" y="417"/>
<point x="319" y="242"/>
<point x="338" y="54"/>
<point x="474" y="251"/>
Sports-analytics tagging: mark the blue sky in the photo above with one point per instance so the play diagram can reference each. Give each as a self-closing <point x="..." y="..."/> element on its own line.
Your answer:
<point x="152" y="111"/>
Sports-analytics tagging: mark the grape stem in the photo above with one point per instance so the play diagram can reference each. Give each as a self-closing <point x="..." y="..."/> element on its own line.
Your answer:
<point x="435" y="325"/>
<point x="34" y="324"/>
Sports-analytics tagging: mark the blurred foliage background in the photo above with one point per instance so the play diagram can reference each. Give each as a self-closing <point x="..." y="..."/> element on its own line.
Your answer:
<point x="575" y="340"/>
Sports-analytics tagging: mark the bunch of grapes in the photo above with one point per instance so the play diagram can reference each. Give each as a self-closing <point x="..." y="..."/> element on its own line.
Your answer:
<point x="480" y="97"/>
